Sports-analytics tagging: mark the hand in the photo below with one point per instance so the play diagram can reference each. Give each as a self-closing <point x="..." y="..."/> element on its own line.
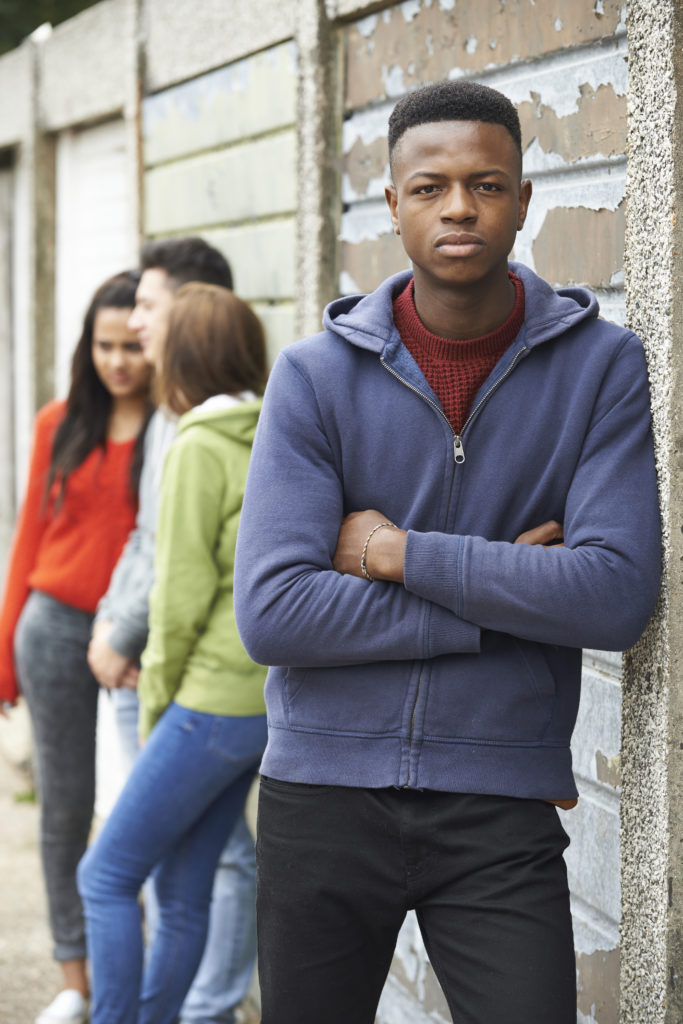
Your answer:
<point x="549" y="534"/>
<point x="130" y="678"/>
<point x="385" y="552"/>
<point x="107" y="665"/>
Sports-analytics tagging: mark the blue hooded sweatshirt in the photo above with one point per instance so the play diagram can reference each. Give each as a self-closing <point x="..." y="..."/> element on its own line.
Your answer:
<point x="467" y="677"/>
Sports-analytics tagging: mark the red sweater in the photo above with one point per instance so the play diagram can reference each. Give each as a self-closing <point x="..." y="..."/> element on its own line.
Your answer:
<point x="68" y="553"/>
<point x="455" y="370"/>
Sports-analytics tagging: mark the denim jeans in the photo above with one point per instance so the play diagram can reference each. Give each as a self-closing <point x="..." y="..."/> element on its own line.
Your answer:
<point x="181" y="802"/>
<point x="223" y="977"/>
<point x="50" y="646"/>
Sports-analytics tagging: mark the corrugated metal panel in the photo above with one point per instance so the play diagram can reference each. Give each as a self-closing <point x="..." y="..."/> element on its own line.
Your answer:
<point x="572" y="103"/>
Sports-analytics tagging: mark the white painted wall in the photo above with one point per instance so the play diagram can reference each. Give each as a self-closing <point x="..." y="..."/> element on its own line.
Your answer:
<point x="6" y="364"/>
<point x="95" y="237"/>
<point x="23" y="368"/>
<point x="95" y="233"/>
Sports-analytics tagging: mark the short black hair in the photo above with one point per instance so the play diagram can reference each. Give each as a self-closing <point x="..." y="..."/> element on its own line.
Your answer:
<point x="453" y="100"/>
<point x="187" y="259"/>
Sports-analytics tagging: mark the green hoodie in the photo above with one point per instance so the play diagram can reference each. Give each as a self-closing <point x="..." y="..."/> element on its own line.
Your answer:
<point x="194" y="655"/>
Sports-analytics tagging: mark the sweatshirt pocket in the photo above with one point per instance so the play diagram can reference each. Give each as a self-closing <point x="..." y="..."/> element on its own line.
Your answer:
<point x="355" y="699"/>
<point x="504" y="694"/>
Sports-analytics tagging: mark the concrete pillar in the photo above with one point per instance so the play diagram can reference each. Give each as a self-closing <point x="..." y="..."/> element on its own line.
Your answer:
<point x="652" y="740"/>
<point x="318" y="122"/>
<point x="40" y="166"/>
<point x="134" y="62"/>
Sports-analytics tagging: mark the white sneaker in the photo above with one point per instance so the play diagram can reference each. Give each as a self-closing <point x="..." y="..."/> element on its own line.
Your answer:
<point x="69" y="1007"/>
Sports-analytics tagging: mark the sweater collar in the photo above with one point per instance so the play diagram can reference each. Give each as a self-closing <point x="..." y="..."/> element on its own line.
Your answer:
<point x="450" y="349"/>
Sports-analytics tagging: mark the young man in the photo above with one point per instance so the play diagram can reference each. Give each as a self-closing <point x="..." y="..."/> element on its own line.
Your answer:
<point x="120" y="634"/>
<point x="428" y="668"/>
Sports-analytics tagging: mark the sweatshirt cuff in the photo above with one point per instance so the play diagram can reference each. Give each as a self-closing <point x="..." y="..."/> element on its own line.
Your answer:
<point x="433" y="568"/>
<point x="447" y="634"/>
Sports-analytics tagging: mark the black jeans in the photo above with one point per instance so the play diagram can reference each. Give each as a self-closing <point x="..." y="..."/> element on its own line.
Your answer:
<point x="338" y="868"/>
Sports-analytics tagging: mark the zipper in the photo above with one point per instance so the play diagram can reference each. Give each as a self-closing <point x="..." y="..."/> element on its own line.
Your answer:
<point x="457" y="438"/>
<point x="458" y="458"/>
<point x="458" y="448"/>
<point x="411" y="734"/>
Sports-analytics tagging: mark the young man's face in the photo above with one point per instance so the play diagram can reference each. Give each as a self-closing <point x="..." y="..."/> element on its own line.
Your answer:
<point x="457" y="201"/>
<point x="153" y="302"/>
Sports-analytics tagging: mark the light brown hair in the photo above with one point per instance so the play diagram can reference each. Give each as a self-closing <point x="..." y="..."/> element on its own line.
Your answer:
<point x="215" y="346"/>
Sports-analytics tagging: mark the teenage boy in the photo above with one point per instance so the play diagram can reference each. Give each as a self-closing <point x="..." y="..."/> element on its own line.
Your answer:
<point x="120" y="634"/>
<point x="428" y="667"/>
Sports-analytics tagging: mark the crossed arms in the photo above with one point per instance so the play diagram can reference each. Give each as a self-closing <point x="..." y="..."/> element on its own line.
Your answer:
<point x="295" y="608"/>
<point x="385" y="550"/>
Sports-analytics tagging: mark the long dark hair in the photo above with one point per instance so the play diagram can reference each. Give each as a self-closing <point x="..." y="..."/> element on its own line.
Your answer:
<point x="89" y="403"/>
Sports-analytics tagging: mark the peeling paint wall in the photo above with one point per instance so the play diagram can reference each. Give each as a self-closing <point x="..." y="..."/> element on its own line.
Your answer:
<point x="210" y="145"/>
<point x="593" y="827"/>
<point x="426" y="40"/>
<point x="563" y="64"/>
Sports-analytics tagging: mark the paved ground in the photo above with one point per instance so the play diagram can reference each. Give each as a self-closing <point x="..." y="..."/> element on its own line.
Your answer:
<point x="28" y="976"/>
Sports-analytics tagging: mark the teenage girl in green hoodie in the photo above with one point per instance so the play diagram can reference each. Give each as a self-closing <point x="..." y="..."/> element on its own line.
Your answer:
<point x="201" y="696"/>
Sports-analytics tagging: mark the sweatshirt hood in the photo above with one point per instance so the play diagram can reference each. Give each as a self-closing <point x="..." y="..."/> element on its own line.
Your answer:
<point x="367" y="321"/>
<point x="233" y="418"/>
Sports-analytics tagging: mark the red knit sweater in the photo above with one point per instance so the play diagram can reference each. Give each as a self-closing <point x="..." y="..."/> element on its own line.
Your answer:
<point x="69" y="553"/>
<point x="455" y="370"/>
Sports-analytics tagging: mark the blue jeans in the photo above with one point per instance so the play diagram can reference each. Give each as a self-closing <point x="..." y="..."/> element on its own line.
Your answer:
<point x="223" y="976"/>
<point x="180" y="804"/>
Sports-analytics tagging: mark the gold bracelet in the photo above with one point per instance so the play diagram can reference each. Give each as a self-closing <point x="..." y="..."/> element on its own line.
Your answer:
<point x="363" y="566"/>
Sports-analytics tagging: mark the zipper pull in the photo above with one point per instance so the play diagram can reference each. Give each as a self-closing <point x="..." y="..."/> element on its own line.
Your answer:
<point x="458" y="450"/>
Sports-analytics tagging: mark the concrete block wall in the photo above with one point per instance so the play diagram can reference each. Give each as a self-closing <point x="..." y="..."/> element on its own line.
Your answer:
<point x="97" y="47"/>
<point x="25" y="166"/>
<point x="16" y="81"/>
<point x="210" y="146"/>
<point x="183" y="40"/>
<point x="16" y="121"/>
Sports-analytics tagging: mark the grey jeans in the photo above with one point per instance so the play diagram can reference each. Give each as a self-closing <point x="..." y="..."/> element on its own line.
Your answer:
<point x="50" y="647"/>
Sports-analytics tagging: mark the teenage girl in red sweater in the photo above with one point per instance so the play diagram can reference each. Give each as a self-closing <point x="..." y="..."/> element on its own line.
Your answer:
<point x="77" y="513"/>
